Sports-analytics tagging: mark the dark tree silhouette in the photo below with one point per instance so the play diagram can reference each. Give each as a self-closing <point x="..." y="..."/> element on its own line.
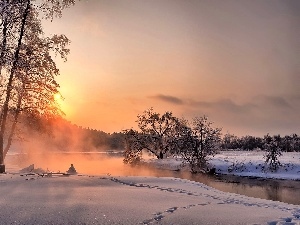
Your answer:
<point x="200" y="143"/>
<point x="26" y="67"/>
<point x="165" y="135"/>
<point x="273" y="151"/>
<point x="156" y="135"/>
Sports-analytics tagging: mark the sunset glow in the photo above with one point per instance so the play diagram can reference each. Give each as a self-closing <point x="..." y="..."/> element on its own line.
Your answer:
<point x="57" y="97"/>
<point x="150" y="112"/>
<point x="235" y="61"/>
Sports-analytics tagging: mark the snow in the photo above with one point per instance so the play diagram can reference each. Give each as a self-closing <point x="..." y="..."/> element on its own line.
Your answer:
<point x="28" y="198"/>
<point x="250" y="163"/>
<point x="83" y="199"/>
<point x="242" y="163"/>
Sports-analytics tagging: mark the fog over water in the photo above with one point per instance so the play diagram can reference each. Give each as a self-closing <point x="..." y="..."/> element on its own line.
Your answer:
<point x="103" y="164"/>
<point x="91" y="163"/>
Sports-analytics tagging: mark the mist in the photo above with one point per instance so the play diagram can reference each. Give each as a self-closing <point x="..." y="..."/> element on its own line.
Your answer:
<point x="96" y="164"/>
<point x="67" y="145"/>
<point x="53" y="145"/>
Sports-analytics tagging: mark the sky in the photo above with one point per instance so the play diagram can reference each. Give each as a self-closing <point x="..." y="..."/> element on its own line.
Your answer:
<point x="236" y="62"/>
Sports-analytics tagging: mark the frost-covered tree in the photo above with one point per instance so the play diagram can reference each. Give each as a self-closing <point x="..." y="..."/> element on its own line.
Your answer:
<point x="155" y="135"/>
<point x="272" y="145"/>
<point x="200" y="143"/>
<point x="26" y="67"/>
<point x="158" y="131"/>
<point x="167" y="135"/>
<point x="134" y="145"/>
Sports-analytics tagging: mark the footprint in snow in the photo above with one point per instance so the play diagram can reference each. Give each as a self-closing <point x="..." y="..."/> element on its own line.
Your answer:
<point x="171" y="210"/>
<point x="160" y="215"/>
<point x="285" y="221"/>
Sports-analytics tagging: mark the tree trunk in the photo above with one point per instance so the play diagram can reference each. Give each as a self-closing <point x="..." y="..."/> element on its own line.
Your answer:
<point x="14" y="125"/>
<point x="9" y="85"/>
<point x="4" y="41"/>
<point x="4" y="33"/>
<point x="161" y="155"/>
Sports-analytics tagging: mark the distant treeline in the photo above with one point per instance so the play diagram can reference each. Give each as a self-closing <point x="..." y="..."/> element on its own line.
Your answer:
<point x="62" y="135"/>
<point x="65" y="136"/>
<point x="287" y="143"/>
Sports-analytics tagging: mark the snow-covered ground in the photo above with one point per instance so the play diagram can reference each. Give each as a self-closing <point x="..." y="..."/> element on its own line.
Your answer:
<point x="33" y="199"/>
<point x="251" y="163"/>
<point x="242" y="163"/>
<point x="144" y="199"/>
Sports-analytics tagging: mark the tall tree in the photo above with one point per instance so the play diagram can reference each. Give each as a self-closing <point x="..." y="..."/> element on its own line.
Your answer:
<point x="26" y="67"/>
<point x="12" y="69"/>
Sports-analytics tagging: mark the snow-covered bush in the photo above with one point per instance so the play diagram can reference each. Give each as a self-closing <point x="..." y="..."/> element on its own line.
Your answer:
<point x="202" y="143"/>
<point x="273" y="152"/>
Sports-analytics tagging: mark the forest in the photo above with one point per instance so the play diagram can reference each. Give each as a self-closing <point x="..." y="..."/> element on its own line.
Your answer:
<point x="62" y="134"/>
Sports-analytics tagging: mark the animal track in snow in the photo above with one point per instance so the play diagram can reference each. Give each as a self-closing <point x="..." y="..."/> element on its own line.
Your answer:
<point x="231" y="199"/>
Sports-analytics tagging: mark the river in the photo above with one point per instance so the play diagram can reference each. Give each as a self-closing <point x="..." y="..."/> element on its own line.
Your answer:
<point x="99" y="164"/>
<point x="276" y="190"/>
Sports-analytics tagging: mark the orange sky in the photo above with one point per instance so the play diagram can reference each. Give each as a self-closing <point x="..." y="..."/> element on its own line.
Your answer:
<point x="235" y="61"/>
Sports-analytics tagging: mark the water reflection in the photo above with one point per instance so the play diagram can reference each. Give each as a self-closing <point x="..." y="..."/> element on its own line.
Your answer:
<point x="276" y="190"/>
<point x="273" y="191"/>
<point x="97" y="164"/>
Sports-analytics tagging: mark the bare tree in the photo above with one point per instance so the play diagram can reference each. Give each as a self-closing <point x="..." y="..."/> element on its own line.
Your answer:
<point x="273" y="149"/>
<point x="158" y="130"/>
<point x="26" y="67"/>
<point x="156" y="135"/>
<point x="134" y="145"/>
<point x="200" y="143"/>
<point x="167" y="135"/>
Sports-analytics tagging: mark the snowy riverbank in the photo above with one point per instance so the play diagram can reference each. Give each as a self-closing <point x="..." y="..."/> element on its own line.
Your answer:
<point x="125" y="200"/>
<point x="242" y="163"/>
<point x="120" y="198"/>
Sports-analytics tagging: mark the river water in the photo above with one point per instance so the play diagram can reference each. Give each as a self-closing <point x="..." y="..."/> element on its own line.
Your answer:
<point x="97" y="164"/>
<point x="277" y="190"/>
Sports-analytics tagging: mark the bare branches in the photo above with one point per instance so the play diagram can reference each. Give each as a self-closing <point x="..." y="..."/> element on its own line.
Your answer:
<point x="273" y="151"/>
<point x="27" y="68"/>
<point x="53" y="8"/>
<point x="165" y="135"/>
<point x="203" y="142"/>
